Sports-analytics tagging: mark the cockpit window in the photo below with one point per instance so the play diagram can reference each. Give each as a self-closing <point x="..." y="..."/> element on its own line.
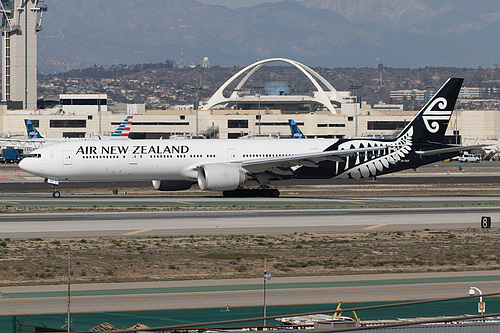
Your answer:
<point x="34" y="155"/>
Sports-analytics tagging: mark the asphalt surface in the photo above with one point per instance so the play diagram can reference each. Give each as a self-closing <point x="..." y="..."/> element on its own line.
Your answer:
<point x="13" y="179"/>
<point x="245" y="292"/>
<point x="440" y="214"/>
<point x="77" y="225"/>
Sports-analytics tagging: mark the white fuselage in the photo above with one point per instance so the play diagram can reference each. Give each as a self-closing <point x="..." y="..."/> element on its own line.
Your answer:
<point x="155" y="159"/>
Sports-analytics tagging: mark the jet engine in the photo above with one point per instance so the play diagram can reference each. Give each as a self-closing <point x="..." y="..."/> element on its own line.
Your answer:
<point x="220" y="177"/>
<point x="171" y="185"/>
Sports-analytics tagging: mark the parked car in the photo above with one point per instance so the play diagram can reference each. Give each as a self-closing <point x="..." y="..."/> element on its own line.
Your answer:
<point x="466" y="157"/>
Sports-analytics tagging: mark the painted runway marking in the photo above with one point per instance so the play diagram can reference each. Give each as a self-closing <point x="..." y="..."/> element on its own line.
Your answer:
<point x="374" y="226"/>
<point x="186" y="203"/>
<point x="9" y="202"/>
<point x="136" y="232"/>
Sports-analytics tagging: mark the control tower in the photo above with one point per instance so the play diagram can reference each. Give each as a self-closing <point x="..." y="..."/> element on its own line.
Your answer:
<point x="21" y="21"/>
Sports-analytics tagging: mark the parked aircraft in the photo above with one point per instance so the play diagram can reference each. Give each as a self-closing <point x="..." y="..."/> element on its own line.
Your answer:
<point x="296" y="132"/>
<point x="31" y="129"/>
<point x="226" y="165"/>
<point x="121" y="131"/>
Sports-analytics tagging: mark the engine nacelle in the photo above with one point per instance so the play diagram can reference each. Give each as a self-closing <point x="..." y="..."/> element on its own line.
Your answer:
<point x="172" y="185"/>
<point x="220" y="177"/>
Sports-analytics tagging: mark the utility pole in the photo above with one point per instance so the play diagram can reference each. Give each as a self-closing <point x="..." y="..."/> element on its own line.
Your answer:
<point x="267" y="276"/>
<point x="259" y="88"/>
<point x="196" y="107"/>
<point x="68" y="319"/>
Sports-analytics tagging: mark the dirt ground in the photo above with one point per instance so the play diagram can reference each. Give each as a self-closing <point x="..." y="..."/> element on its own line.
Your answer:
<point x="40" y="261"/>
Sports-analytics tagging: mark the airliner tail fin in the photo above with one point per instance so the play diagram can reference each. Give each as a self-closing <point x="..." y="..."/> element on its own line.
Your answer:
<point x="296" y="132"/>
<point x="32" y="131"/>
<point x="431" y="122"/>
<point x="123" y="130"/>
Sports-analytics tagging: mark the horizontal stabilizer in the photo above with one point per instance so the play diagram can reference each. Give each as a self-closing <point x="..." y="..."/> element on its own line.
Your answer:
<point x="448" y="150"/>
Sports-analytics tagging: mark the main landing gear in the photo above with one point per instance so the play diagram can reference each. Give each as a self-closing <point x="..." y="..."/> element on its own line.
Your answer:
<point x="252" y="192"/>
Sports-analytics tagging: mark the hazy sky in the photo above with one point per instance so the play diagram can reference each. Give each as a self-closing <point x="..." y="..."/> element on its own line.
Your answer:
<point x="236" y="3"/>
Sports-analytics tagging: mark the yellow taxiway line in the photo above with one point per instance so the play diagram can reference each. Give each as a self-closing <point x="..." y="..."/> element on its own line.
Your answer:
<point x="136" y="232"/>
<point x="374" y="226"/>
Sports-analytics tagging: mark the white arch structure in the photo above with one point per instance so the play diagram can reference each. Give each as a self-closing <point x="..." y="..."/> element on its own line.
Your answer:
<point x="321" y="96"/>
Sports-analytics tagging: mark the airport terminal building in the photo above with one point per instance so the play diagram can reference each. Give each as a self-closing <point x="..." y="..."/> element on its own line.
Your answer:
<point x="470" y="125"/>
<point x="323" y="113"/>
<point x="234" y="111"/>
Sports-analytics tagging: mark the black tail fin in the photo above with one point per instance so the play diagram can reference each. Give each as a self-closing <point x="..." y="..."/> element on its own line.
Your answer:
<point x="431" y="122"/>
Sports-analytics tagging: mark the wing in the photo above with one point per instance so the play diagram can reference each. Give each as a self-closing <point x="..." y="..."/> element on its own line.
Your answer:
<point x="287" y="164"/>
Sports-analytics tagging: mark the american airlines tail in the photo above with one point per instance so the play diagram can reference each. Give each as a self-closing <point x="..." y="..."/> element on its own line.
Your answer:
<point x="32" y="131"/>
<point x="123" y="130"/>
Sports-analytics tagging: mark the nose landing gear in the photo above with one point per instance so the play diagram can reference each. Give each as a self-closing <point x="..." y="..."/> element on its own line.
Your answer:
<point x="54" y="183"/>
<point x="56" y="194"/>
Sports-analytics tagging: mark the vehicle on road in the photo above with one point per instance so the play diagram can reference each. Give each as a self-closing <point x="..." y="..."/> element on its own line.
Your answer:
<point x="12" y="155"/>
<point x="466" y="157"/>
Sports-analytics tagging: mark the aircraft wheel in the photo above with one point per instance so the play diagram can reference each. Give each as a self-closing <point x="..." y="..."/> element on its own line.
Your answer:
<point x="275" y="193"/>
<point x="56" y="194"/>
<point x="265" y="193"/>
<point x="228" y="194"/>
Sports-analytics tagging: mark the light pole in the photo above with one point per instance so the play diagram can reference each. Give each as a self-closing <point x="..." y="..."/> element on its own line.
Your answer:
<point x="258" y="95"/>
<point x="100" y="116"/>
<point x="99" y="113"/>
<point x="481" y="306"/>
<point x="267" y="276"/>
<point x="196" y="107"/>
<point x="68" y="301"/>
<point x="355" y="88"/>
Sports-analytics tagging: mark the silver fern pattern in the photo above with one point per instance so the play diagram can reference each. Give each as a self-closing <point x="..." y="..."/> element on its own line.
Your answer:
<point x="368" y="165"/>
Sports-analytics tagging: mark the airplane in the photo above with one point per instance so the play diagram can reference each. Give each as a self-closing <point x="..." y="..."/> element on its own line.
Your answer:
<point x="122" y="131"/>
<point x="36" y="140"/>
<point x="227" y="164"/>
<point x="296" y="132"/>
<point x="31" y="129"/>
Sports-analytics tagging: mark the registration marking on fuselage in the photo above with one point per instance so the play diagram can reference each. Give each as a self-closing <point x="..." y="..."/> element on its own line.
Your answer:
<point x="374" y="226"/>
<point x="136" y="232"/>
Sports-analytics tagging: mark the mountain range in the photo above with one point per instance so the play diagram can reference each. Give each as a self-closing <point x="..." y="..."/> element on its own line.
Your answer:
<point x="318" y="33"/>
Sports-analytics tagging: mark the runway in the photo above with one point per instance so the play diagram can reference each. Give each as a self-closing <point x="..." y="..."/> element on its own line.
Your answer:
<point x="78" y="225"/>
<point x="214" y="215"/>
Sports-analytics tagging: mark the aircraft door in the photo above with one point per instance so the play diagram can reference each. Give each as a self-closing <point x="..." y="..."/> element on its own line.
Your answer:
<point x="133" y="159"/>
<point x="67" y="157"/>
<point x="231" y="155"/>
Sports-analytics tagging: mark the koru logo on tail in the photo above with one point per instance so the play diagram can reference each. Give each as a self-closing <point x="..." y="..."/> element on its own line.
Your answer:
<point x="431" y="117"/>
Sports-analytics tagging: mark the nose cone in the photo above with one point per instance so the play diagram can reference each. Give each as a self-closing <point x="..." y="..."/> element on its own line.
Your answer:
<point x="31" y="165"/>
